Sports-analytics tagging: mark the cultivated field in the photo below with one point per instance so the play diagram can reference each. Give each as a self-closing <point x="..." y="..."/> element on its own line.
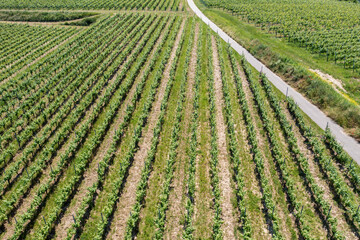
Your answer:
<point x="312" y="44"/>
<point x="330" y="28"/>
<point x="146" y="125"/>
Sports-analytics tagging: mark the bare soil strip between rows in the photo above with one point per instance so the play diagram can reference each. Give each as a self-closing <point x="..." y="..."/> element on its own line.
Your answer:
<point x="225" y="176"/>
<point x="128" y="196"/>
<point x="46" y="174"/>
<point x="21" y="151"/>
<point x="336" y="210"/>
<point x="91" y="176"/>
<point x="173" y="228"/>
<point x="251" y="185"/>
<point x="248" y="96"/>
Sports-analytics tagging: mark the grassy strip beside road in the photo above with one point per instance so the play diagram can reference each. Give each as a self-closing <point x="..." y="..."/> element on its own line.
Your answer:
<point x="292" y="64"/>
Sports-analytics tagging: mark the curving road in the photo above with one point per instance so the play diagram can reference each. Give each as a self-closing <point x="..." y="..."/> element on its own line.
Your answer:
<point x="349" y="144"/>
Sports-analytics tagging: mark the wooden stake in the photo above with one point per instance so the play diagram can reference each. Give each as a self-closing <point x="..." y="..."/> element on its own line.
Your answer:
<point x="353" y="65"/>
<point x="328" y="212"/>
<point x="327" y="55"/>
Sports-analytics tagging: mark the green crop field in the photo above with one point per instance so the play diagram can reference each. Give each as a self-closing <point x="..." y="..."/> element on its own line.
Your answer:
<point x="92" y="4"/>
<point x="313" y="44"/>
<point x="144" y="124"/>
<point x="330" y="28"/>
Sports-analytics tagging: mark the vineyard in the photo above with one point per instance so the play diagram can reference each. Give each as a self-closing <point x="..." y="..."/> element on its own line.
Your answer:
<point x="329" y="28"/>
<point x="163" y="5"/>
<point x="147" y="125"/>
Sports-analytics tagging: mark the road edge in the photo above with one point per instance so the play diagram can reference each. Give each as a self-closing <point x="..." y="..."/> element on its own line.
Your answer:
<point x="350" y="145"/>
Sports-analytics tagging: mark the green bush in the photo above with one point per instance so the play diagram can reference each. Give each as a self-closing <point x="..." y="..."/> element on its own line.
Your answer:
<point x="83" y="22"/>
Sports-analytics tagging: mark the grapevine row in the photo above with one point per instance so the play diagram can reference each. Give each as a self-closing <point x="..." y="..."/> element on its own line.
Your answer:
<point x="256" y="152"/>
<point x="234" y="147"/>
<point x="132" y="222"/>
<point x="325" y="162"/>
<point x="119" y="133"/>
<point x="217" y="233"/>
<point x="188" y="223"/>
<point x="163" y="203"/>
<point x="89" y="100"/>
<point x="343" y="158"/>
<point x="126" y="162"/>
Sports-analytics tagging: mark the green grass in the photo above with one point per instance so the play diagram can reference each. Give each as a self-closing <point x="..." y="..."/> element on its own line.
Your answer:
<point x="292" y="63"/>
<point x="203" y="224"/>
<point x="147" y="225"/>
<point x="247" y="34"/>
<point x="83" y="22"/>
<point x="91" y="226"/>
<point x="295" y="174"/>
<point x="252" y="200"/>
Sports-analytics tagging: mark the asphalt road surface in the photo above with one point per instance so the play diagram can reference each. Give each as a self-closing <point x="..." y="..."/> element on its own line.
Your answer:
<point x="349" y="144"/>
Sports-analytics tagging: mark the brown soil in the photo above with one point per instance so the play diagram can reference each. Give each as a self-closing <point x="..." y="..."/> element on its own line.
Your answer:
<point x="336" y="211"/>
<point x="263" y="144"/>
<point x="251" y="184"/>
<point x="229" y="223"/>
<point x="40" y="133"/>
<point x="173" y="227"/>
<point x="180" y="5"/>
<point x="253" y="111"/>
<point x="128" y="197"/>
<point x="301" y="192"/>
<point x="90" y="176"/>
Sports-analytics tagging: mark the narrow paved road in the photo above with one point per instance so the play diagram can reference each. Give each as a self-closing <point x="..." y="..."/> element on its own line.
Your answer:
<point x="350" y="145"/>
